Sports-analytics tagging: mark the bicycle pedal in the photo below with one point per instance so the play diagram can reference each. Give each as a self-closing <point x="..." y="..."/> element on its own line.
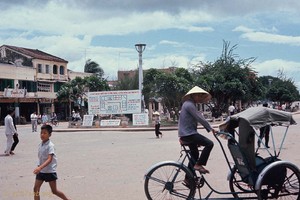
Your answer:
<point x="199" y="182"/>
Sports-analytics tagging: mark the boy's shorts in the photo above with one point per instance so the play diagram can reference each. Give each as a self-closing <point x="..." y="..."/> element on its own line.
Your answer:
<point x="47" y="177"/>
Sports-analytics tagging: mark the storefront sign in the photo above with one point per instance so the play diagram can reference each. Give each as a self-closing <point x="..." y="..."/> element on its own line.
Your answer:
<point x="18" y="93"/>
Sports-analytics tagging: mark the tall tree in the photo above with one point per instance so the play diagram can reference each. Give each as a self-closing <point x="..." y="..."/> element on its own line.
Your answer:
<point x="168" y="86"/>
<point x="93" y="67"/>
<point x="228" y="79"/>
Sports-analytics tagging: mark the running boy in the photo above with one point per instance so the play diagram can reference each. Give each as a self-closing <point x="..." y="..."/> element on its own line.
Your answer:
<point x="46" y="170"/>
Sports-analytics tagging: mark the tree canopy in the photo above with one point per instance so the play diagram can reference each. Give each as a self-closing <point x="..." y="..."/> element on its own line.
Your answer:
<point x="93" y="67"/>
<point x="228" y="79"/>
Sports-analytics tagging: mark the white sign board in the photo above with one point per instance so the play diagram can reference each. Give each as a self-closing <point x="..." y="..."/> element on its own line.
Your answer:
<point x="114" y="102"/>
<point x="87" y="120"/>
<point x="110" y="122"/>
<point x="140" y="119"/>
<point x="19" y="93"/>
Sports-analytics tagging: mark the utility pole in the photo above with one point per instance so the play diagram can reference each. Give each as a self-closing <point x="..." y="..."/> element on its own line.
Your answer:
<point x="140" y="48"/>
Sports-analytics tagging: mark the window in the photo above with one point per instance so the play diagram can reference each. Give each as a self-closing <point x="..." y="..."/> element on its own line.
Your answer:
<point x="6" y="83"/>
<point x="55" y="69"/>
<point x="57" y="86"/>
<point x="61" y="70"/>
<point x="40" y="70"/>
<point x="29" y="85"/>
<point x="47" y="69"/>
<point x="44" y="87"/>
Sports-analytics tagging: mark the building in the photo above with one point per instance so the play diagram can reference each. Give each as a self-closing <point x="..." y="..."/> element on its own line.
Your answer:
<point x="29" y="80"/>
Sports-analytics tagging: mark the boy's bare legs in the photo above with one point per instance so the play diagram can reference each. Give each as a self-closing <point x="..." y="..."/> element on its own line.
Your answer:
<point x="56" y="191"/>
<point x="36" y="189"/>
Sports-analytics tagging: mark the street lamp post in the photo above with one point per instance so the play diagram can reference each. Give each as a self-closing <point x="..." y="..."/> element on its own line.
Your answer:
<point x="140" y="48"/>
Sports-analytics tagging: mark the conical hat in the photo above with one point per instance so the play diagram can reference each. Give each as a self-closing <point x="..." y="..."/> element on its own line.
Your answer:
<point x="156" y="113"/>
<point x="197" y="90"/>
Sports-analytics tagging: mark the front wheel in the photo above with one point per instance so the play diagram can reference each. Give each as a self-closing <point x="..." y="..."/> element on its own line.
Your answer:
<point x="279" y="181"/>
<point x="166" y="180"/>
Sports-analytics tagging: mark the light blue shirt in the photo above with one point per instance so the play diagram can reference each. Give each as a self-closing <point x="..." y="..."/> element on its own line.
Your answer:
<point x="189" y="118"/>
<point x="46" y="149"/>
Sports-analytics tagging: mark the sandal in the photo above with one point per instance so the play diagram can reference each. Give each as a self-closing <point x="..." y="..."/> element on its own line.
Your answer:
<point x="201" y="169"/>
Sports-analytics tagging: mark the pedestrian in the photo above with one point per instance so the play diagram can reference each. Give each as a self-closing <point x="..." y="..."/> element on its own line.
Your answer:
<point x="231" y="109"/>
<point x="34" y="118"/>
<point x="187" y="131"/>
<point x="44" y="118"/>
<point x="283" y="106"/>
<point x="15" y="139"/>
<point x="10" y="130"/>
<point x="46" y="170"/>
<point x="264" y="132"/>
<point x="157" y="124"/>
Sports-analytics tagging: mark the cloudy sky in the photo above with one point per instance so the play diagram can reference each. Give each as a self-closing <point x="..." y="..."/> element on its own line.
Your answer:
<point x="176" y="32"/>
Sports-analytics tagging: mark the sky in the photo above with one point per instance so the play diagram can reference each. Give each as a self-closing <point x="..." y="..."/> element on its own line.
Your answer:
<point x="177" y="33"/>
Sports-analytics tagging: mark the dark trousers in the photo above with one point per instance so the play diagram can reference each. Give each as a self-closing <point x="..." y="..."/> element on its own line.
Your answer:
<point x="16" y="141"/>
<point x="157" y="132"/>
<point x="264" y="133"/>
<point x="194" y="142"/>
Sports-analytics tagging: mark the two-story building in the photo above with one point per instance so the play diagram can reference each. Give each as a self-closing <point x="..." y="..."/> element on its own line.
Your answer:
<point x="29" y="80"/>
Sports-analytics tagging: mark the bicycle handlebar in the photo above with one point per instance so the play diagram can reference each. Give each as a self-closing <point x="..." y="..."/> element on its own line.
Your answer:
<point x="224" y="135"/>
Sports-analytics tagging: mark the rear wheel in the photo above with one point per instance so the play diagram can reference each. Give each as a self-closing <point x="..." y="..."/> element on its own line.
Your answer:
<point x="239" y="188"/>
<point x="167" y="181"/>
<point x="280" y="182"/>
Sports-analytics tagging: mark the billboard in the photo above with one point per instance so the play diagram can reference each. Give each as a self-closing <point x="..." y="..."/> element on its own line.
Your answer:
<point x="114" y="102"/>
<point x="141" y="119"/>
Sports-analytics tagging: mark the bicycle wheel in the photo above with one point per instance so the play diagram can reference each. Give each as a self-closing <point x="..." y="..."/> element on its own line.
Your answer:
<point x="239" y="188"/>
<point x="280" y="181"/>
<point x="166" y="181"/>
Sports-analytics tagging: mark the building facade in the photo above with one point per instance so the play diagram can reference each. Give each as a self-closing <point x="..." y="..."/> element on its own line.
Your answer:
<point x="29" y="80"/>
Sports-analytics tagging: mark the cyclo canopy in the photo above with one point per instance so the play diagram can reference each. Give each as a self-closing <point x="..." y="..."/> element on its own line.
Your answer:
<point x="254" y="118"/>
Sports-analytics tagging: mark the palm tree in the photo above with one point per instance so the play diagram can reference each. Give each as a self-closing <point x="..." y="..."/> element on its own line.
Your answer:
<point x="93" y="67"/>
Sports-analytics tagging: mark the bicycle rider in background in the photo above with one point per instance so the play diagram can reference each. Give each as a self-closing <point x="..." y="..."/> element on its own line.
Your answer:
<point x="187" y="131"/>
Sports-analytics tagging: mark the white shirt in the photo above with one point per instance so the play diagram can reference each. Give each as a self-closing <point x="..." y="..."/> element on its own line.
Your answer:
<point x="9" y="125"/>
<point x="33" y="116"/>
<point x="231" y="108"/>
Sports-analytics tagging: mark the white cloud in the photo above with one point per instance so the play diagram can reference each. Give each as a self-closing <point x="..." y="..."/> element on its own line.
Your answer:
<point x="272" y="67"/>
<point x="199" y="29"/>
<point x="272" y="38"/>
<point x="259" y="36"/>
<point x="172" y="43"/>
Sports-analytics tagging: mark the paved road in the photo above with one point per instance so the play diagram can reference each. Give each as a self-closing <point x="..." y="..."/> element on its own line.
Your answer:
<point x="107" y="165"/>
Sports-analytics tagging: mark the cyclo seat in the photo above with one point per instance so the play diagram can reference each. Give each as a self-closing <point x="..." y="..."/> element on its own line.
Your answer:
<point x="184" y="143"/>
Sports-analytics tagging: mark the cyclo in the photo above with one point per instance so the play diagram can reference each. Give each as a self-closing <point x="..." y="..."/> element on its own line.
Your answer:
<point x="250" y="177"/>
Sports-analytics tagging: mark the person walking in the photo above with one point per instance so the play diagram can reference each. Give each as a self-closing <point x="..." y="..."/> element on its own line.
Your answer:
<point x="34" y="118"/>
<point x="157" y="124"/>
<point x="10" y="130"/>
<point x="264" y="132"/>
<point x="46" y="170"/>
<point x="15" y="139"/>
<point x="231" y="109"/>
<point x="187" y="131"/>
